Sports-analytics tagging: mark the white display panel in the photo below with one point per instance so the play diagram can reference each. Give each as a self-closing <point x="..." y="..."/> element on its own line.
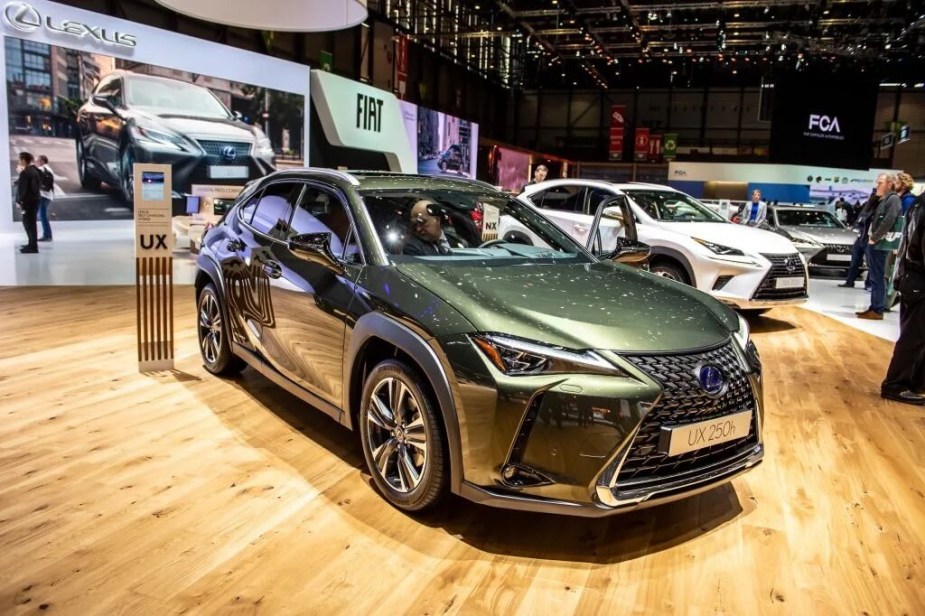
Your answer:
<point x="59" y="53"/>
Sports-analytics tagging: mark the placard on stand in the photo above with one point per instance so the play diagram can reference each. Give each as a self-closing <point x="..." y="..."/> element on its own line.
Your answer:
<point x="154" y="266"/>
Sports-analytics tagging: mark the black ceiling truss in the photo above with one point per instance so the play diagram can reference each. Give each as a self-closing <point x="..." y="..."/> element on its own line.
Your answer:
<point x="621" y="43"/>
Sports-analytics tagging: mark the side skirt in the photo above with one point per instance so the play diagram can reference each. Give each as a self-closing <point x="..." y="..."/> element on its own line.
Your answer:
<point x="255" y="362"/>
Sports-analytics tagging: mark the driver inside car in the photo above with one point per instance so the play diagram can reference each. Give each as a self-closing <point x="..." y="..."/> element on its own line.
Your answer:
<point x="427" y="237"/>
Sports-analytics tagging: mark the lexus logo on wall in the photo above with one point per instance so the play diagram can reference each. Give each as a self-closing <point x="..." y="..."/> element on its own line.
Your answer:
<point x="24" y="17"/>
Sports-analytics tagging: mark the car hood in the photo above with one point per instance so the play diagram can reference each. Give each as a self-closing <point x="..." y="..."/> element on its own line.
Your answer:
<point x="599" y="305"/>
<point x="823" y="235"/>
<point x="216" y="128"/>
<point x="746" y="239"/>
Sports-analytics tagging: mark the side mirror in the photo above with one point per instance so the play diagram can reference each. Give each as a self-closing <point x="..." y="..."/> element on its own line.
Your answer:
<point x="238" y="116"/>
<point x="316" y="248"/>
<point x="631" y="252"/>
<point x="613" y="213"/>
<point x="102" y="101"/>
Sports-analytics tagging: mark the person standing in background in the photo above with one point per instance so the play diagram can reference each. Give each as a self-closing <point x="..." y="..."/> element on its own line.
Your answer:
<point x="859" y="248"/>
<point x="48" y="195"/>
<point x="905" y="378"/>
<point x="903" y="187"/>
<point x="28" y="194"/>
<point x="885" y="232"/>
<point x="754" y="213"/>
<point x="539" y="175"/>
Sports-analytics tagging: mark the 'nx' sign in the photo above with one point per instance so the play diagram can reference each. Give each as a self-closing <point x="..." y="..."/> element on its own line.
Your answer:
<point x="369" y="113"/>
<point x="26" y="18"/>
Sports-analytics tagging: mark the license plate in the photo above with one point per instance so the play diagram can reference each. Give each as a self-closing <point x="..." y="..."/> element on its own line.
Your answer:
<point x="839" y="257"/>
<point x="789" y="283"/>
<point x="675" y="440"/>
<point x="230" y="172"/>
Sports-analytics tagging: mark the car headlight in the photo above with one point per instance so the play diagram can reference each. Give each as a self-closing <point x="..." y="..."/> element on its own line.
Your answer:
<point x="743" y="333"/>
<point x="518" y="357"/>
<point x="160" y="138"/>
<point x="719" y="249"/>
<point x="264" y="145"/>
<point x="742" y="336"/>
<point x="802" y="240"/>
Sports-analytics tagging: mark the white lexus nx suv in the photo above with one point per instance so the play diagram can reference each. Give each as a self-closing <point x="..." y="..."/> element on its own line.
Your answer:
<point x="747" y="268"/>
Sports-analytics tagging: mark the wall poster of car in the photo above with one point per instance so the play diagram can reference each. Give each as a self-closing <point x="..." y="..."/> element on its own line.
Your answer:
<point x="447" y="145"/>
<point x="94" y="115"/>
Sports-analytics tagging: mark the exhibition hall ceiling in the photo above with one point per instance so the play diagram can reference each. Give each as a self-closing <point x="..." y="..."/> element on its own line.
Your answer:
<point x="614" y="43"/>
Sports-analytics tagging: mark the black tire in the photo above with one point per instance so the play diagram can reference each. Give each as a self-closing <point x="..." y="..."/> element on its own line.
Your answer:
<point x="212" y="334"/>
<point x="442" y="166"/>
<point x="399" y="439"/>
<point x="670" y="270"/>
<point x="754" y="312"/>
<point x="86" y="177"/>
<point x="127" y="174"/>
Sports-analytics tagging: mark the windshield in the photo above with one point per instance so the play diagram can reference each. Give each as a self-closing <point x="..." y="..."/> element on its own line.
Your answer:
<point x="460" y="225"/>
<point x="808" y="218"/>
<point x="174" y="98"/>
<point x="672" y="206"/>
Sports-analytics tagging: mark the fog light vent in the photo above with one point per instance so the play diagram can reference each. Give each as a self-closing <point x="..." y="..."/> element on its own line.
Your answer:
<point x="721" y="282"/>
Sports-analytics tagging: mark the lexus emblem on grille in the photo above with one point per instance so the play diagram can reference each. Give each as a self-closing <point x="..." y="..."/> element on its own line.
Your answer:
<point x="712" y="380"/>
<point x="790" y="265"/>
<point x="229" y="153"/>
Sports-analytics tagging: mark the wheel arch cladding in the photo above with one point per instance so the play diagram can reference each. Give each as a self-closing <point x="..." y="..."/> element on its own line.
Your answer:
<point x="376" y="337"/>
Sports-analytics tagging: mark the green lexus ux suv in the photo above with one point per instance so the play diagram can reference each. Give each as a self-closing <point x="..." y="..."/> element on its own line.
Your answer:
<point x="537" y="377"/>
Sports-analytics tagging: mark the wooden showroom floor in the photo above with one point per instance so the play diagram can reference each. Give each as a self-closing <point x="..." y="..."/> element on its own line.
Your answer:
<point x="132" y="494"/>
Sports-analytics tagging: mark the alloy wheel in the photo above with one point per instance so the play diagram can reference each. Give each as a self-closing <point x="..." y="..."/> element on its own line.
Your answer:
<point x="210" y="327"/>
<point x="397" y="434"/>
<point x="128" y="178"/>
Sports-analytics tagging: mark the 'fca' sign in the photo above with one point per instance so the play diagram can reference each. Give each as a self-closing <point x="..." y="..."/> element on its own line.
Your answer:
<point x="369" y="113"/>
<point x="824" y="123"/>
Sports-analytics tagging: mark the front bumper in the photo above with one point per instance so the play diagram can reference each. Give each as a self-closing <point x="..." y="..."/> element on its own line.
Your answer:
<point x="583" y="444"/>
<point x="749" y="282"/>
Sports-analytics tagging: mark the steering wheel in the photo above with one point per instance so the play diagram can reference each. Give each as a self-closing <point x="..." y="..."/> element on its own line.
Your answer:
<point x="493" y="242"/>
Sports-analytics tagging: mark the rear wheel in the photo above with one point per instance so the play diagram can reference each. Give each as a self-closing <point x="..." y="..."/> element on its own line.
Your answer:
<point x="214" y="346"/>
<point x="670" y="271"/>
<point x="402" y="438"/>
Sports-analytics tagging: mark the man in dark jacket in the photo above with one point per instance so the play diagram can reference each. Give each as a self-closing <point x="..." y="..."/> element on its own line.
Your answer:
<point x="905" y="378"/>
<point x="427" y="237"/>
<point x="859" y="248"/>
<point x="28" y="194"/>
<point x="886" y="228"/>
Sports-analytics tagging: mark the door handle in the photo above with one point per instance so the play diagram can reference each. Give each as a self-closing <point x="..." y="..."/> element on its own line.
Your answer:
<point x="272" y="269"/>
<point x="235" y="245"/>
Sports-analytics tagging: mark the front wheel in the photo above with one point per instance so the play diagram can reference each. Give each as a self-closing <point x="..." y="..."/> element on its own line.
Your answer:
<point x="670" y="271"/>
<point x="402" y="438"/>
<point x="127" y="175"/>
<point x="87" y="180"/>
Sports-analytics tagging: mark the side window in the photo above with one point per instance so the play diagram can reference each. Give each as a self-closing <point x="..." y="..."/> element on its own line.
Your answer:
<point x="567" y="198"/>
<point x="247" y="210"/>
<point x="115" y="94"/>
<point x="320" y="211"/>
<point x="272" y="214"/>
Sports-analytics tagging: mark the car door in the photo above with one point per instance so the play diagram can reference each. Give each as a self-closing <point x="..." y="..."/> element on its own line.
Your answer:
<point x="564" y="204"/>
<point x="615" y="221"/>
<point x="311" y="301"/>
<point x="247" y="262"/>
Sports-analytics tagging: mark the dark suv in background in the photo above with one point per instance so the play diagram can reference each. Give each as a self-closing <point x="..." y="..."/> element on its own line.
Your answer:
<point x="535" y="377"/>
<point x="139" y="118"/>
